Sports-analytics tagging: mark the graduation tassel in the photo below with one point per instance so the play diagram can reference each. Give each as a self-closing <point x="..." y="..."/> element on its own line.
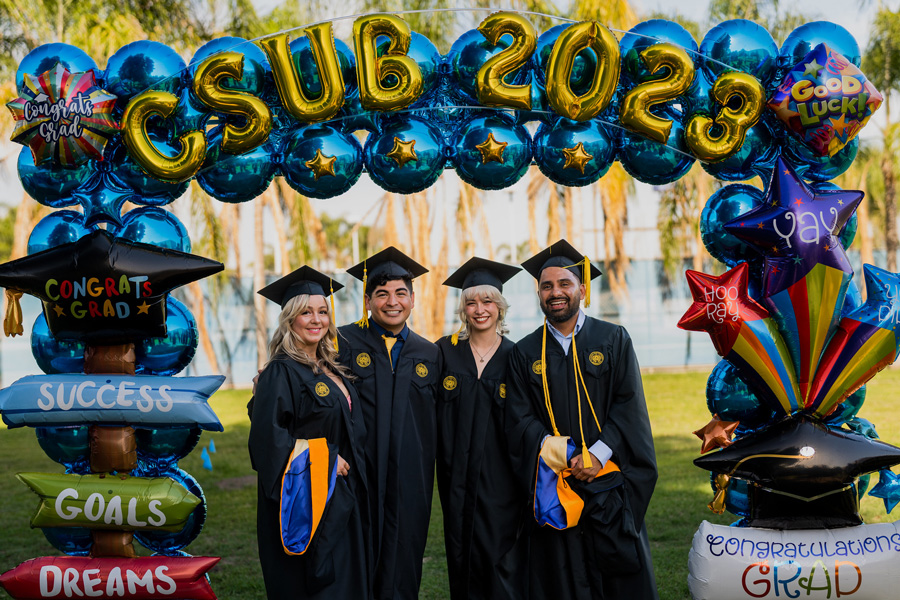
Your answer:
<point x="333" y="315"/>
<point x="364" y="322"/>
<point x="586" y="279"/>
<point x="12" y="323"/>
<point x="454" y="339"/>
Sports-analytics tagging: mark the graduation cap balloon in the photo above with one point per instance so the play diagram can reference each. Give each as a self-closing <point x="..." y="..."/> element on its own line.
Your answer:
<point x="101" y="289"/>
<point x="801" y="472"/>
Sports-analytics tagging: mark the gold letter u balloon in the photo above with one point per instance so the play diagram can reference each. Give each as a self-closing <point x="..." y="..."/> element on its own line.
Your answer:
<point x="372" y="70"/>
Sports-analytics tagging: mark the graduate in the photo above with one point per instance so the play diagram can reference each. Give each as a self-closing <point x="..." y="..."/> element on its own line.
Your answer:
<point x="397" y="373"/>
<point x="306" y="444"/>
<point x="575" y="397"/>
<point x="482" y="501"/>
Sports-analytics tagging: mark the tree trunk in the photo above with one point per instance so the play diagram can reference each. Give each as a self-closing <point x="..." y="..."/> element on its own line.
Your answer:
<point x="259" y="282"/>
<point x="199" y="309"/>
<point x="890" y="210"/>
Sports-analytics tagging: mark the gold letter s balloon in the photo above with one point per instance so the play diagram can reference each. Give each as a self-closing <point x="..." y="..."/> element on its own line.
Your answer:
<point x="573" y="40"/>
<point x="372" y="70"/>
<point x="732" y="123"/>
<point x="635" y="110"/>
<point x="492" y="89"/>
<point x="208" y="88"/>
<point x="287" y="80"/>
<point x="180" y="167"/>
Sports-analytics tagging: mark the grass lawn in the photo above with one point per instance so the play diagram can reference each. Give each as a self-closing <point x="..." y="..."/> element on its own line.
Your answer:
<point x="677" y="407"/>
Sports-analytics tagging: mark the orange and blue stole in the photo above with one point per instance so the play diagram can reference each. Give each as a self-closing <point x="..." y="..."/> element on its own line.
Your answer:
<point x="306" y="488"/>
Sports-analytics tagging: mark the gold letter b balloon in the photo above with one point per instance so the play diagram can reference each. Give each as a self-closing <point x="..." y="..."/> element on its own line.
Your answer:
<point x="372" y="70"/>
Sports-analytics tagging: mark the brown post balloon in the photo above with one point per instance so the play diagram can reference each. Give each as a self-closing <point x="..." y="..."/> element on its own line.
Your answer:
<point x="492" y="89"/>
<point x="112" y="543"/>
<point x="732" y="123"/>
<point x="208" y="80"/>
<point x="372" y="70"/>
<point x="573" y="40"/>
<point x="287" y="79"/>
<point x="118" y="359"/>
<point x="141" y="148"/>
<point x="112" y="448"/>
<point x="634" y="112"/>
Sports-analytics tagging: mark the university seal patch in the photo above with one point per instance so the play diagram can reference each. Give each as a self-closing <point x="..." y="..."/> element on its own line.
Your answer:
<point x="322" y="389"/>
<point x="596" y="358"/>
<point x="449" y="383"/>
<point x="363" y="359"/>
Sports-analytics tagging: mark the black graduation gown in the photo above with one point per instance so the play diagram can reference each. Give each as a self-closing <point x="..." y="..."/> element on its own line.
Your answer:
<point x="399" y="413"/>
<point x="567" y="564"/>
<point x="482" y="502"/>
<point x="286" y="408"/>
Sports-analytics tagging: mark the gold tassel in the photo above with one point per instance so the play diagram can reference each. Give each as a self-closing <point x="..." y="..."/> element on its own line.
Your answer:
<point x="333" y="314"/>
<point x="454" y="339"/>
<point x="586" y="278"/>
<point x="718" y="503"/>
<point x="12" y="323"/>
<point x="364" y="322"/>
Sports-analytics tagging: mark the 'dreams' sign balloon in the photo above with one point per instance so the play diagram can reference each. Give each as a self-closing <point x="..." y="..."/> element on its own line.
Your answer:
<point x="825" y="100"/>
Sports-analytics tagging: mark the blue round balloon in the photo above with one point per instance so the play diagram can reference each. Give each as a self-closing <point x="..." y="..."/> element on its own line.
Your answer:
<point x="559" y="157"/>
<point x="848" y="233"/>
<point x="802" y="40"/>
<point x="756" y="157"/>
<point x="737" y="496"/>
<point x="162" y="448"/>
<point x="812" y="167"/>
<point x="465" y="58"/>
<point x="321" y="162"/>
<point x="149" y="190"/>
<point x="144" y="65"/>
<point x="65" y="445"/>
<point x="57" y="228"/>
<point x="308" y="70"/>
<point x="189" y="115"/>
<point x="655" y="163"/>
<point x="166" y="542"/>
<point x="584" y="67"/>
<point x="698" y="99"/>
<point x="740" y="45"/>
<point x="156" y="226"/>
<point x="646" y="34"/>
<point x="353" y="117"/>
<point x="729" y="397"/>
<point x="44" y="57"/>
<point x="48" y="184"/>
<point x="55" y="356"/>
<point x="725" y="204"/>
<point x="255" y="65"/>
<point x="102" y="199"/>
<point x="239" y="177"/>
<point x="171" y="354"/>
<point x="74" y="541"/>
<point x="407" y="156"/>
<point x="504" y="156"/>
<point x="428" y="59"/>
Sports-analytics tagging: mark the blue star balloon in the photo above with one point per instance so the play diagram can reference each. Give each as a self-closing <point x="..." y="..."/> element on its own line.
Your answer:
<point x="887" y="488"/>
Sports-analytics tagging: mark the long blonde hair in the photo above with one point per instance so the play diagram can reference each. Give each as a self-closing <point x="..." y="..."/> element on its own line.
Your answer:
<point x="482" y="291"/>
<point x="286" y="341"/>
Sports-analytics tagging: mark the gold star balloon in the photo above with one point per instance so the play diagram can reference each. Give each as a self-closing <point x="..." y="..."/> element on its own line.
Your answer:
<point x="491" y="150"/>
<point x="321" y="165"/>
<point x="403" y="152"/>
<point x="577" y="157"/>
<point x="63" y="117"/>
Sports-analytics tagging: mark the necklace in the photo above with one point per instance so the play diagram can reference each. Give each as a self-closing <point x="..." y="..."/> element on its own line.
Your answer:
<point x="480" y="355"/>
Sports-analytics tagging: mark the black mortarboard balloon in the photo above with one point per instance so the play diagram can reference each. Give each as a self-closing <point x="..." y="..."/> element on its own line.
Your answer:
<point x="481" y="271"/>
<point x="390" y="262"/>
<point x="104" y="290"/>
<point x="304" y="280"/>
<point x="801" y="472"/>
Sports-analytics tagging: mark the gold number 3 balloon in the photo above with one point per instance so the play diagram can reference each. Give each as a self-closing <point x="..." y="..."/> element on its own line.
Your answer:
<point x="713" y="139"/>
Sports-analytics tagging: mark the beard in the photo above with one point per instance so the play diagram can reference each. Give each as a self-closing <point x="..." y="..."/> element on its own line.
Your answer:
<point x="560" y="315"/>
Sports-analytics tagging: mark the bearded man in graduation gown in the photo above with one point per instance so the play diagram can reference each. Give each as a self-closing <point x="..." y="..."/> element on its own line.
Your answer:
<point x="397" y="373"/>
<point x="575" y="383"/>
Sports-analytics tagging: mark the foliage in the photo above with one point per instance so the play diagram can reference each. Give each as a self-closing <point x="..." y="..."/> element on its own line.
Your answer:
<point x="7" y="233"/>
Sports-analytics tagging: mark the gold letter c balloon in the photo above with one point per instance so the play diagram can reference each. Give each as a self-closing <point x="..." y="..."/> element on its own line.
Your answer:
<point x="208" y="88"/>
<point x="372" y="70"/>
<point x="180" y="167"/>
<point x="573" y="40"/>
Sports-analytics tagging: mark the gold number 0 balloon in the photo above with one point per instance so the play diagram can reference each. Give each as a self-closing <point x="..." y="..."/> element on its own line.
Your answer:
<point x="732" y="123"/>
<point x="573" y="40"/>
<point x="180" y="167"/>
<point x="634" y="112"/>
<point x="208" y="88"/>
<point x="492" y="90"/>
<point x="287" y="81"/>
<point x="371" y="69"/>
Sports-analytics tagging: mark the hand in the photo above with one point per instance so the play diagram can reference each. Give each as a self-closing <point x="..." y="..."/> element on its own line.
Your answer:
<point x="343" y="467"/>
<point x="580" y="472"/>
<point x="255" y="381"/>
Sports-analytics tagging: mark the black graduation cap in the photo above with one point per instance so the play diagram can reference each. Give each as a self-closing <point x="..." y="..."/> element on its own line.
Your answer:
<point x="304" y="280"/>
<point x="391" y="262"/>
<point x="563" y="254"/>
<point x="102" y="289"/>
<point x="481" y="271"/>
<point x="801" y="472"/>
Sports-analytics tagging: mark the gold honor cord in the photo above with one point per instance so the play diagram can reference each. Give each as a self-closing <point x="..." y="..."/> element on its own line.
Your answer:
<point x="544" y="380"/>
<point x="333" y="314"/>
<point x="585" y="264"/>
<point x="723" y="479"/>
<point x="364" y="322"/>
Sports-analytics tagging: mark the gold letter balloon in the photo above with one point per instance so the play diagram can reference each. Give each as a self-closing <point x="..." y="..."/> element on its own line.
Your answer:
<point x="573" y="40"/>
<point x="634" y="112"/>
<point x="287" y="80"/>
<point x="180" y="167"/>
<point x="732" y="123"/>
<point x="208" y="88"/>
<point x="372" y="71"/>
<point x="492" y="88"/>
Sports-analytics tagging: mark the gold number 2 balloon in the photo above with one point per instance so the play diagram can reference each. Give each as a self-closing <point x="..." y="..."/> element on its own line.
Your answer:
<point x="492" y="89"/>
<point x="732" y="123"/>
<point x="372" y="70"/>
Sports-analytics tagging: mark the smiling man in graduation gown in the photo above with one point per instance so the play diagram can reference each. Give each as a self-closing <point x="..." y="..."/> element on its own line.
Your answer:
<point x="575" y="405"/>
<point x="397" y="372"/>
